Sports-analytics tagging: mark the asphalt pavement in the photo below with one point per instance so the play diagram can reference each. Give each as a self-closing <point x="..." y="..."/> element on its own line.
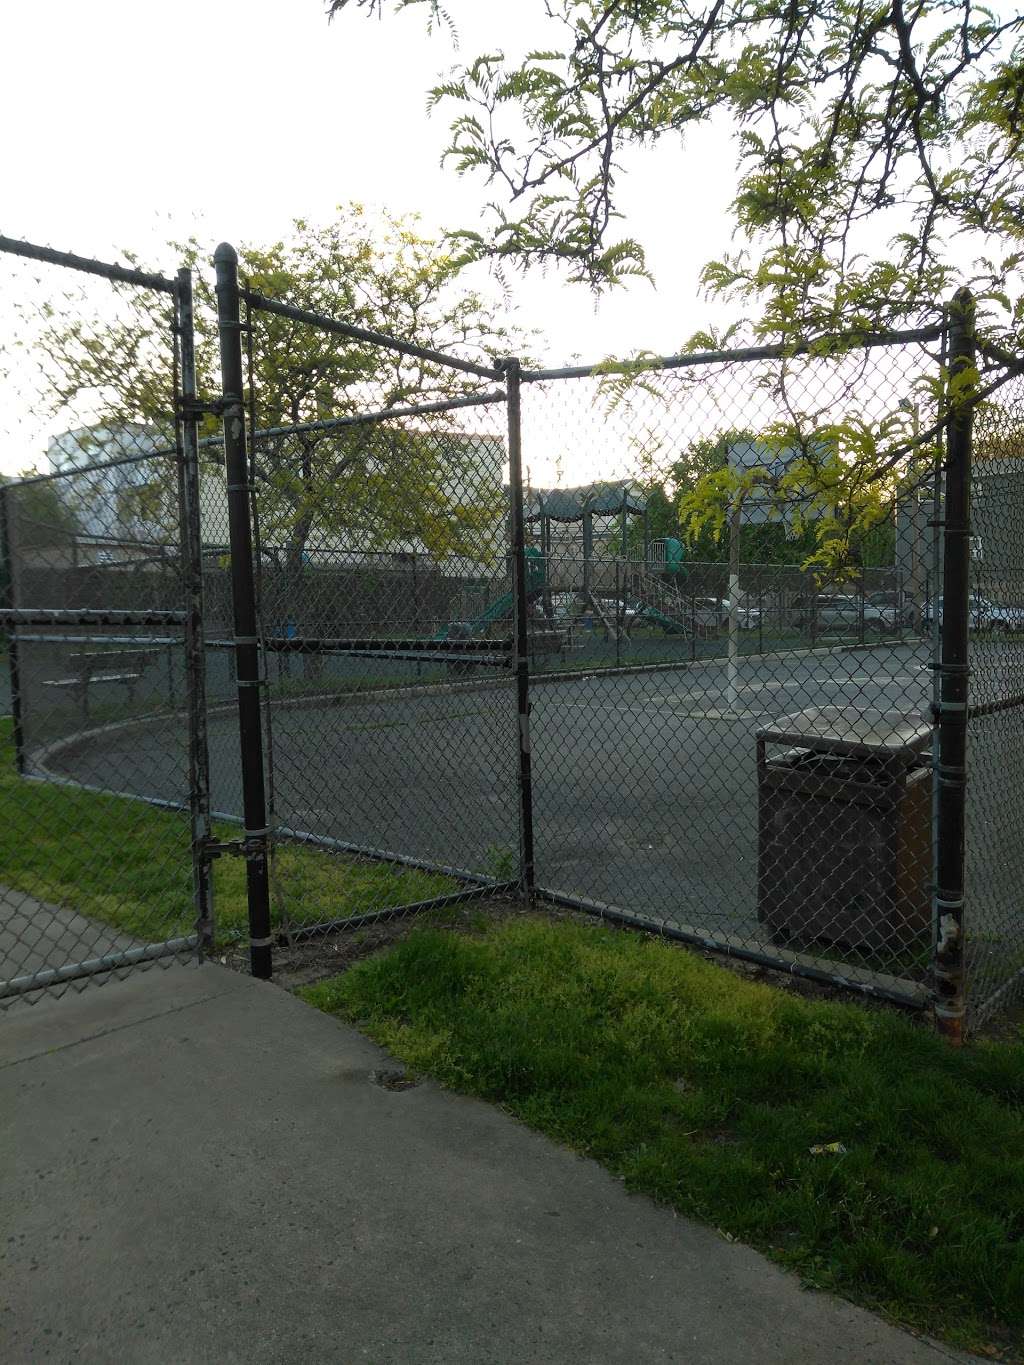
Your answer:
<point x="645" y="785"/>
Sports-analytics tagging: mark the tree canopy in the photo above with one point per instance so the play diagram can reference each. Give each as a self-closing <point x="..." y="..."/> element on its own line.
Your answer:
<point x="880" y="163"/>
<point x="870" y="139"/>
<point x="380" y="486"/>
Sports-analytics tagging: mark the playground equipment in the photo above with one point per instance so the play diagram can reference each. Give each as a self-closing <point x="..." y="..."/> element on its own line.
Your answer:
<point x="501" y="608"/>
<point x="619" y="587"/>
<point x="614" y="590"/>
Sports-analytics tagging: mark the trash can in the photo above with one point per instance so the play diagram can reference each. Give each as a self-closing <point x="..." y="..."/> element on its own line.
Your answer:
<point x="844" y="829"/>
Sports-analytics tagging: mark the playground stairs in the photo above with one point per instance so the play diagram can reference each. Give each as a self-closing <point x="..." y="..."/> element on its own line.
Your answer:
<point x="662" y="602"/>
<point x="606" y="618"/>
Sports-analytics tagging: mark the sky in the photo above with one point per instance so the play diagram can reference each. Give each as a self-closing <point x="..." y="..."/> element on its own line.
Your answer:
<point x="131" y="122"/>
<point x="127" y="123"/>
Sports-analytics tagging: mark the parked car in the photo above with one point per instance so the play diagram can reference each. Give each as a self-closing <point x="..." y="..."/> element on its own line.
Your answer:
<point x="565" y="606"/>
<point x="710" y="611"/>
<point x="898" y="605"/>
<point x="836" y="611"/>
<point x="616" y="610"/>
<point x="983" y="615"/>
<point x="1006" y="619"/>
<point x="747" y="618"/>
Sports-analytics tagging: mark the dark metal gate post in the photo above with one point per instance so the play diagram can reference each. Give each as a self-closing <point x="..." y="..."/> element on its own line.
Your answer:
<point x="513" y="372"/>
<point x="11" y="630"/>
<point x="243" y="597"/>
<point x="195" y="651"/>
<point x="951" y="772"/>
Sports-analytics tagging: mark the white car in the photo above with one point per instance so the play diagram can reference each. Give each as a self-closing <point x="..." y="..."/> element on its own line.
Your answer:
<point x="984" y="615"/>
<point x="1006" y="619"/>
<point x="747" y="618"/>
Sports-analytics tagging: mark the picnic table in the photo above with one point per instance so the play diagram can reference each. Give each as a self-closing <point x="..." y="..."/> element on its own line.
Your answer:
<point x="102" y="668"/>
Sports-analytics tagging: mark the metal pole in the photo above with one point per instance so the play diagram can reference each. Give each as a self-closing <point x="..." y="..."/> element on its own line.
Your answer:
<point x="951" y="711"/>
<point x="860" y="610"/>
<point x="513" y="371"/>
<point x="620" y="611"/>
<point x="243" y="597"/>
<point x="11" y="630"/>
<point x="194" y="642"/>
<point x="732" y="678"/>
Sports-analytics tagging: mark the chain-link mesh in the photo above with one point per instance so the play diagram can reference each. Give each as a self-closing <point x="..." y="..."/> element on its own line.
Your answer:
<point x="385" y="601"/>
<point x="93" y="880"/>
<point x="726" y="618"/>
<point x="993" y="917"/>
<point x="740" y="749"/>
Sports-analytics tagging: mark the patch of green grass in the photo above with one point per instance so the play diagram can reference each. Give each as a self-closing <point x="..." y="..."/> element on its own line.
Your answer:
<point x="708" y="1091"/>
<point x="128" y="864"/>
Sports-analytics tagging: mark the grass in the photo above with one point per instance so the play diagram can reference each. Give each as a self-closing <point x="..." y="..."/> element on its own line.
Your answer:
<point x="707" y="1091"/>
<point x="128" y="864"/>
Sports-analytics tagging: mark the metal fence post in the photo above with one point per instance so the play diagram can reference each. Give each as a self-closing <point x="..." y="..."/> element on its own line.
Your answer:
<point x="951" y="710"/>
<point x="513" y="371"/>
<point x="11" y="631"/>
<point x="243" y="597"/>
<point x="195" y="648"/>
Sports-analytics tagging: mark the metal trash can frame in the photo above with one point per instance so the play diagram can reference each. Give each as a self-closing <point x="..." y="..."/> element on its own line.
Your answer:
<point x="844" y="829"/>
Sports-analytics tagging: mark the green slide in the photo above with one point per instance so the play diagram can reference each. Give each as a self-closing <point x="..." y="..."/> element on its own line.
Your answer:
<point x="502" y="606"/>
<point x="666" y="622"/>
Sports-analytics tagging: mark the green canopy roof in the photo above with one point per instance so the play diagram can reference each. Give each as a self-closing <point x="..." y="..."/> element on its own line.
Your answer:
<point x="569" y="504"/>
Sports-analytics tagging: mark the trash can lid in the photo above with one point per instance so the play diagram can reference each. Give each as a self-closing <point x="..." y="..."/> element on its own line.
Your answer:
<point x="849" y="730"/>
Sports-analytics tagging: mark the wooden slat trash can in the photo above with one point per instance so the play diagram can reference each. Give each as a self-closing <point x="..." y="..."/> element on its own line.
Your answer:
<point x="844" y="829"/>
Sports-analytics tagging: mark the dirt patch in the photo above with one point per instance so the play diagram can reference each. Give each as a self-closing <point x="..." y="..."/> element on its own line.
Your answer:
<point x="301" y="964"/>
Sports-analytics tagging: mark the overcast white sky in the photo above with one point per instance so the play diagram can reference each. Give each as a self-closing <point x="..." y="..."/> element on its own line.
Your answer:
<point x="124" y="121"/>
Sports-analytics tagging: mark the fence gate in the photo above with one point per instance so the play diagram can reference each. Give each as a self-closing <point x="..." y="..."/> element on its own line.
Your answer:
<point x="374" y="597"/>
<point x="286" y="603"/>
<point x="104" y="778"/>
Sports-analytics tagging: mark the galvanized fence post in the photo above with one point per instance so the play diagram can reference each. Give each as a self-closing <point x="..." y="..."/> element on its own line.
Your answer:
<point x="194" y="644"/>
<point x="243" y="597"/>
<point x="954" y="672"/>
<point x="513" y="374"/>
<point x="11" y="631"/>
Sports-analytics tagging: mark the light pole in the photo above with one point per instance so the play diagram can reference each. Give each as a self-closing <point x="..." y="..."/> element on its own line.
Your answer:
<point x="916" y="507"/>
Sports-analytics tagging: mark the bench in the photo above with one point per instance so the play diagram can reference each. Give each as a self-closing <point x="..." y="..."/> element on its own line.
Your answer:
<point x="100" y="667"/>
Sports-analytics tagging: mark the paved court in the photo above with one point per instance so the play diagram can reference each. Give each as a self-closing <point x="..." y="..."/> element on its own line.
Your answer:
<point x="644" y="783"/>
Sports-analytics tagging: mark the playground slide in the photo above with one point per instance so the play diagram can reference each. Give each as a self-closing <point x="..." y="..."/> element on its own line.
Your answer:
<point x="653" y="597"/>
<point x="502" y="606"/>
<point x="497" y="611"/>
<point x="666" y="622"/>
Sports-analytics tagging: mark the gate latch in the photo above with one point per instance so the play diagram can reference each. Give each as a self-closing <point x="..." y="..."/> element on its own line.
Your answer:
<point x="252" y="846"/>
<point x="192" y="409"/>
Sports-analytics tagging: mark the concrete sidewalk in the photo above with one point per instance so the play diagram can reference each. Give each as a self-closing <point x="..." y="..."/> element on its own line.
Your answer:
<point x="200" y="1168"/>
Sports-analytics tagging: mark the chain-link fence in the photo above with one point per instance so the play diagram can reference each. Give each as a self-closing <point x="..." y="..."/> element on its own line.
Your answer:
<point x="681" y="644"/>
<point x="741" y="755"/>
<point x="994" y="919"/>
<point x="385" y="596"/>
<point x="101" y="629"/>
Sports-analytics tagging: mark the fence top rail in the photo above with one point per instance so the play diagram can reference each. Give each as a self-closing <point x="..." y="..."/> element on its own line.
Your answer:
<point x="13" y="246"/>
<point x="855" y="341"/>
<point x="69" y="471"/>
<point x="265" y="433"/>
<point x="381" y="415"/>
<point x="346" y="329"/>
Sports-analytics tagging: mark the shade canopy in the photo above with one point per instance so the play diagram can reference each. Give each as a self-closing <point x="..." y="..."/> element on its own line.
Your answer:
<point x="601" y="499"/>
